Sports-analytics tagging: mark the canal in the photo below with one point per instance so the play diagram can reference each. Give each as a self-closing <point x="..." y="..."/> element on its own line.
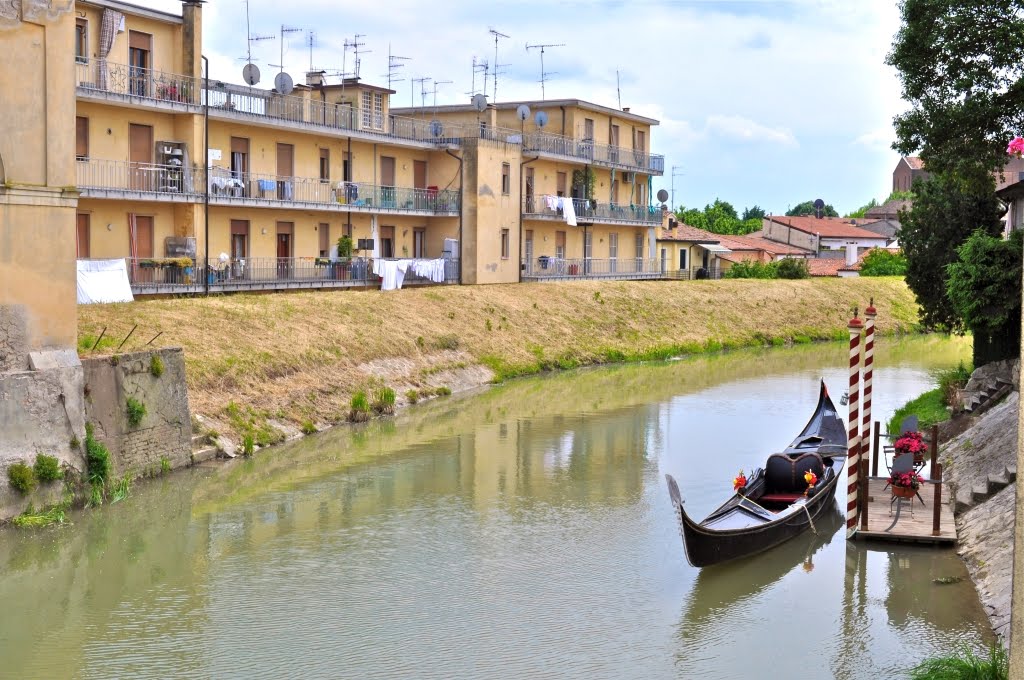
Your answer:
<point x="522" y="531"/>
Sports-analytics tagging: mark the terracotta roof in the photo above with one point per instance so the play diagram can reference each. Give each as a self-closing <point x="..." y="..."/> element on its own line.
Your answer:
<point x="914" y="162"/>
<point x="684" y="232"/>
<point x="831" y="266"/>
<point x="827" y="227"/>
<point x="751" y="242"/>
<point x="888" y="209"/>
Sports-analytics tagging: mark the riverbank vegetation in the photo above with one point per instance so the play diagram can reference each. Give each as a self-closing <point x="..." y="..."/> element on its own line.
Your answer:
<point x="934" y="406"/>
<point x="285" y="359"/>
<point x="964" y="664"/>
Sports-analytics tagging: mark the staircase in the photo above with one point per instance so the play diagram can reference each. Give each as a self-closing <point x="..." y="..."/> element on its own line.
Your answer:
<point x="977" y="401"/>
<point x="979" y="493"/>
<point x="203" y="448"/>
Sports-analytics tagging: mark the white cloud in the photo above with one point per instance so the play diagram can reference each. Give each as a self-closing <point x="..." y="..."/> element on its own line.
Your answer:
<point x="879" y="138"/>
<point x="746" y="130"/>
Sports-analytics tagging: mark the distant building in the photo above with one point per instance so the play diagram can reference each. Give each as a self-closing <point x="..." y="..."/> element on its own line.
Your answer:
<point x="908" y="170"/>
<point x="822" y="236"/>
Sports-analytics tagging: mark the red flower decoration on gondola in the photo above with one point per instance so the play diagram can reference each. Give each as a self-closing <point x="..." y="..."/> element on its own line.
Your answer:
<point x="739" y="482"/>
<point x="810" y="478"/>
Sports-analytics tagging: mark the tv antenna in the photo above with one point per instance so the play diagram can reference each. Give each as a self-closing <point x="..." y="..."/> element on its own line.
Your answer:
<point x="423" y="90"/>
<point x="311" y="43"/>
<point x="478" y="67"/>
<point x="250" y="72"/>
<point x="496" y="69"/>
<point x="394" y="63"/>
<point x="436" y="83"/>
<point x="543" y="74"/>
<point x="354" y="45"/>
<point x="285" y="30"/>
<point x="618" y="89"/>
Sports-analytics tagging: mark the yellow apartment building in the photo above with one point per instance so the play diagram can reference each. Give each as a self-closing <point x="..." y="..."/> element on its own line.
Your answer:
<point x="475" y="193"/>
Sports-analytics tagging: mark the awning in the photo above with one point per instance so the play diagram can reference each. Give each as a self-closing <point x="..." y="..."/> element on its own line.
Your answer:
<point x="714" y="248"/>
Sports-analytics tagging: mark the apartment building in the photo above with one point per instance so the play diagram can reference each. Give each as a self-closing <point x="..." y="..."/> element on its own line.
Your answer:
<point x="287" y="174"/>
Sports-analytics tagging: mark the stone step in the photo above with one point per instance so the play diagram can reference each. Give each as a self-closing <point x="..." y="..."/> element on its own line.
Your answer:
<point x="962" y="505"/>
<point x="997" y="483"/>
<point x="203" y="455"/>
<point x="200" y="440"/>
<point x="979" y="493"/>
<point x="1011" y="473"/>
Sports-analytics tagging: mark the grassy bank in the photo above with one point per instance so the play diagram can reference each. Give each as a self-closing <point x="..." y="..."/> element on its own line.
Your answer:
<point x="934" y="406"/>
<point x="257" y="361"/>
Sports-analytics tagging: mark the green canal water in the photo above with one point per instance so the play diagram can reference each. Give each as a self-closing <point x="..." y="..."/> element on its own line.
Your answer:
<point x="522" y="531"/>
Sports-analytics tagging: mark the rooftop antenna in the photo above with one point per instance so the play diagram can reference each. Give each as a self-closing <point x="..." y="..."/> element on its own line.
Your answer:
<point x="618" y="90"/>
<point x="311" y="43"/>
<point x="412" y="85"/>
<point x="436" y="83"/>
<point x="497" y="66"/>
<point x="394" y="63"/>
<point x="543" y="74"/>
<point x="478" y="67"/>
<point x="354" y="45"/>
<point x="250" y="72"/>
<point x="423" y="90"/>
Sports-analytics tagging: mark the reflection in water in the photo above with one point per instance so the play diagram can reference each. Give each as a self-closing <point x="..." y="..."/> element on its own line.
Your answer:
<point x="523" y="532"/>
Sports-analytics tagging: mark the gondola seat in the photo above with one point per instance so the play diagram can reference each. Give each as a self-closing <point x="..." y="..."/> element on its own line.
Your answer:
<point x="784" y="476"/>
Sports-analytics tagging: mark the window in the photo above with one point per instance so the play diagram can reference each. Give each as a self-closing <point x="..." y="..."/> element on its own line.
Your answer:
<point x="325" y="165"/>
<point x="640" y="143"/>
<point x="588" y="129"/>
<point x="528" y="255"/>
<point x="560" y="245"/>
<point x="139" y="47"/>
<point x="639" y="252"/>
<point x="81" y="41"/>
<point x="504" y="244"/>
<point x="419" y="242"/>
<point x="506" y="178"/>
<point x="561" y="181"/>
<point x="81" y="137"/>
<point x="682" y="259"/>
<point x="613" y="252"/>
<point x="324" y="233"/>
<point x="346" y="167"/>
<point x="239" y="156"/>
<point x="373" y="110"/>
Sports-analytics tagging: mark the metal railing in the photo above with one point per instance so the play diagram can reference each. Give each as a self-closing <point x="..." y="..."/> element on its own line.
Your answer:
<point x="249" y="186"/>
<point x="591" y="210"/>
<point x="149" y="178"/>
<point x="547" y="267"/>
<point x="693" y="274"/>
<point x="590" y="151"/>
<point x="263" y="273"/>
<point x="105" y="76"/>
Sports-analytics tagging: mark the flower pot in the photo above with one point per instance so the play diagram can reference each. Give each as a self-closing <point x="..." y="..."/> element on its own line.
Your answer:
<point x="918" y="458"/>
<point x="903" y="491"/>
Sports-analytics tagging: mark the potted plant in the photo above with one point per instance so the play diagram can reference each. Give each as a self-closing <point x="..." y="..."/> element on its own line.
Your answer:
<point x="905" y="484"/>
<point x="912" y="442"/>
<point x="344" y="256"/>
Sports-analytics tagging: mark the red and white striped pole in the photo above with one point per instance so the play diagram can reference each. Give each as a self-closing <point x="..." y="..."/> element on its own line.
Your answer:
<point x="869" y="360"/>
<point x="853" y="425"/>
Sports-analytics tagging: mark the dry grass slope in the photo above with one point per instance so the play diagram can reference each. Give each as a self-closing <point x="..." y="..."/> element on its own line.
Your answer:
<point x="298" y="357"/>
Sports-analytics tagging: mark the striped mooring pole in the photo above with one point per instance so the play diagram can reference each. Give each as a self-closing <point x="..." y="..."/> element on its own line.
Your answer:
<point x="869" y="360"/>
<point x="853" y="425"/>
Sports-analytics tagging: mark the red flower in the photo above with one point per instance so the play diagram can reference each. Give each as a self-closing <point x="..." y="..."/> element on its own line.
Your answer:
<point x="910" y="480"/>
<point x="739" y="482"/>
<point x="911" y="442"/>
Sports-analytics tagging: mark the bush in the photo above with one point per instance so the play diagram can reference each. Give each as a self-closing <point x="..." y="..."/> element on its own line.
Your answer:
<point x="384" y="401"/>
<point x="360" y="410"/>
<point x="791" y="268"/>
<point x="22" y="477"/>
<point x="156" y="366"/>
<point x="136" y="411"/>
<point x="752" y="270"/>
<point x="248" y="445"/>
<point x="412" y="396"/>
<point x="47" y="468"/>
<point x="308" y="427"/>
<point x="97" y="459"/>
<point x="443" y="391"/>
<point x="951" y="381"/>
<point x="880" y="262"/>
<point x="964" y="663"/>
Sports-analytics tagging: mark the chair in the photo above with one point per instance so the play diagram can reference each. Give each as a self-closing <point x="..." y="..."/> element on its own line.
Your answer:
<point x="901" y="464"/>
<point x="784" y="476"/>
<point x="909" y="424"/>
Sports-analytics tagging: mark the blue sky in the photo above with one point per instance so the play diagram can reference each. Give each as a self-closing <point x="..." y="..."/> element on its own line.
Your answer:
<point x="761" y="102"/>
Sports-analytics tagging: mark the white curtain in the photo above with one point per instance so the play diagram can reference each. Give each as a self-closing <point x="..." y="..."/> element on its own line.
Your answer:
<point x="374" y="236"/>
<point x="109" y="27"/>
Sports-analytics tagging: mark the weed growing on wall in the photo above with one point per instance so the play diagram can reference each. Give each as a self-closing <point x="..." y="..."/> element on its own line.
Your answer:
<point x="32" y="519"/>
<point x="122" y="488"/>
<point x="22" y="477"/>
<point x="136" y="411"/>
<point x="97" y="465"/>
<point x="47" y="468"/>
<point x="308" y="427"/>
<point x="165" y="465"/>
<point x="412" y="396"/>
<point x="248" y="445"/>
<point x="156" y="366"/>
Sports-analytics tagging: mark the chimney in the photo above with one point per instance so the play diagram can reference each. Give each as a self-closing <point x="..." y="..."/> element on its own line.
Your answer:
<point x="625" y="109"/>
<point x="315" y="78"/>
<point x="851" y="254"/>
<point x="192" y="38"/>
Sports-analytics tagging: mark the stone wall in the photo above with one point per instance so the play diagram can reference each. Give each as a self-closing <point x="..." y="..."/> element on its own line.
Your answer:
<point x="165" y="432"/>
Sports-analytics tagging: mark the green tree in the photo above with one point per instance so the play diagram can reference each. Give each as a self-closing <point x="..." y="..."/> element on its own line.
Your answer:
<point x="881" y="262"/>
<point x="984" y="288"/>
<point x="961" y="63"/>
<point x="947" y="209"/>
<point x="807" y="208"/>
<point x="861" y="211"/>
<point x="755" y="212"/>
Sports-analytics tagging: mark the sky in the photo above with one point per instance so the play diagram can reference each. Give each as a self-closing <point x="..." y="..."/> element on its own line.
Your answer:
<point x="766" y="102"/>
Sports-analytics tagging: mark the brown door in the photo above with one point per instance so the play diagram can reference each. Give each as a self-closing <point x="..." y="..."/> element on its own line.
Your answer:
<point x="284" y="249"/>
<point x="387" y="241"/>
<point x="324" y="233"/>
<point x="140" y="157"/>
<point x="560" y="186"/>
<point x="239" y="239"/>
<point x="419" y="242"/>
<point x="285" y="171"/>
<point x="143" y="237"/>
<point x="83" y="235"/>
<point x="140" y="45"/>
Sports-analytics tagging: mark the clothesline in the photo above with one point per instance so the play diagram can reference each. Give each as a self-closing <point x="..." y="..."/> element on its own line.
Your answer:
<point x="564" y="204"/>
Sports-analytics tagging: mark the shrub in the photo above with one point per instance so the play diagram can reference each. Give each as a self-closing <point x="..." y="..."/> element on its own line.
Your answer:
<point x="792" y="268"/>
<point x="22" y="477"/>
<point x="136" y="411"/>
<point x="32" y="519"/>
<point x="165" y="465"/>
<point x="443" y="391"/>
<point x="384" y="400"/>
<point x="156" y="366"/>
<point x="122" y="488"/>
<point x="248" y="445"/>
<point x="360" y="410"/>
<point x="752" y="270"/>
<point x="881" y="262"/>
<point x="964" y="663"/>
<point x="412" y="396"/>
<point x="308" y="427"/>
<point x="951" y="381"/>
<point x="97" y="459"/>
<point x="47" y="468"/>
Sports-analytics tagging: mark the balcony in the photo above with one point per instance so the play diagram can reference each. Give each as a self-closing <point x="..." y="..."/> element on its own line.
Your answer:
<point x="546" y="268"/>
<point x="590" y="211"/>
<point x="101" y="79"/>
<point x="146" y="181"/>
<point x="590" y="152"/>
<point x="168" y="276"/>
<point x="261" y="190"/>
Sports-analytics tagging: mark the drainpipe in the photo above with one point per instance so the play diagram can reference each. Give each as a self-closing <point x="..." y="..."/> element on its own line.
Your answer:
<point x="462" y="204"/>
<point x="521" y="199"/>
<point x="206" y="172"/>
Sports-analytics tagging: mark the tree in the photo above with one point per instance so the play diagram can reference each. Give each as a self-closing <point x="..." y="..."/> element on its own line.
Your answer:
<point x="718" y="217"/>
<point x="880" y="262"/>
<point x="961" y="63"/>
<point x="984" y="288"/>
<point x="946" y="210"/>
<point x="753" y="213"/>
<point x="861" y="211"/>
<point x="807" y="208"/>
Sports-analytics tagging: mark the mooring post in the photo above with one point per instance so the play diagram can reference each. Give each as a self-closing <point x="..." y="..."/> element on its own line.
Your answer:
<point x="935" y="449"/>
<point x="937" y="503"/>
<point x="874" y="448"/>
<point x="853" y="425"/>
<point x="864" y="494"/>
<point x="869" y="354"/>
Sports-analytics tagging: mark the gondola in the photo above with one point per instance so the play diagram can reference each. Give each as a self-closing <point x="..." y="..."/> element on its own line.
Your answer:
<point x="777" y="503"/>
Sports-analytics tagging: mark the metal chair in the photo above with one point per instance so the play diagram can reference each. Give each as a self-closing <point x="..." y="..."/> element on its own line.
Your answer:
<point x="909" y="424"/>
<point x="901" y="464"/>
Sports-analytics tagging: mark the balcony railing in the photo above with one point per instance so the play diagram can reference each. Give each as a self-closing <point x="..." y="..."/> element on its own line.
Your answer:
<point x="588" y="210"/>
<point x="261" y="273"/>
<point x="259" y="188"/>
<point x="133" y="82"/>
<point x="146" y="178"/>
<point x="546" y="267"/>
<point x="591" y="152"/>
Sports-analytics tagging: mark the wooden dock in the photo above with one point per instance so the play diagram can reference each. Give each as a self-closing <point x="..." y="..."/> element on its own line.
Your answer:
<point x="916" y="528"/>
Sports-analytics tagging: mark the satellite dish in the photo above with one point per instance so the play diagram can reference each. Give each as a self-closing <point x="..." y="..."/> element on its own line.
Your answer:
<point x="436" y="128"/>
<point x="819" y="204"/>
<point x="251" y="74"/>
<point x="662" y="195"/>
<point x="479" y="102"/>
<point x="523" y="112"/>
<point x="541" y="119"/>
<point x="283" y="83"/>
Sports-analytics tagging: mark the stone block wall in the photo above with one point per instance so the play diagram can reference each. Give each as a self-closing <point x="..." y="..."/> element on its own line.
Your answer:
<point x="166" y="429"/>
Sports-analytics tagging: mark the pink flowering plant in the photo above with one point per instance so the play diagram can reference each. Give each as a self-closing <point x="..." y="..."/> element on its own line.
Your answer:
<point x="911" y="442"/>
<point x="906" y="480"/>
<point x="1016" y="147"/>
